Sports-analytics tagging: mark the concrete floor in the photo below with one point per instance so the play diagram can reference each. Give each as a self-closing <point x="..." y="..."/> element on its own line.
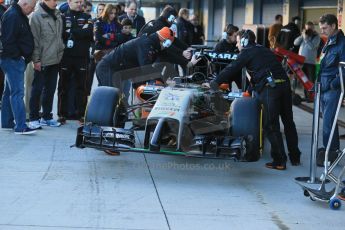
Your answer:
<point x="45" y="184"/>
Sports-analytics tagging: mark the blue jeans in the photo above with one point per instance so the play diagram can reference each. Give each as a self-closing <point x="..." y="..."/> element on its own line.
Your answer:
<point x="43" y="87"/>
<point x="13" y="108"/>
<point x="329" y="103"/>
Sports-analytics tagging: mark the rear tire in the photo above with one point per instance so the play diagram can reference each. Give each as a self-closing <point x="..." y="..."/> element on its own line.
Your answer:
<point x="102" y="107"/>
<point x="246" y="121"/>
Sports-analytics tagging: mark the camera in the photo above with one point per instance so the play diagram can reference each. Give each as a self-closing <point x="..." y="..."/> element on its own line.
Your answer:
<point x="70" y="44"/>
<point x="309" y="32"/>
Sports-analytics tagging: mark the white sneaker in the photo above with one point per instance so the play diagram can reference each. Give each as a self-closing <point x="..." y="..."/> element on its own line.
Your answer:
<point x="51" y="123"/>
<point x="35" y="124"/>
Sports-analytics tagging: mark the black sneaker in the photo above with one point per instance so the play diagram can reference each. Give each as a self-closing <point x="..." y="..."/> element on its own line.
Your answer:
<point x="295" y="159"/>
<point x="276" y="165"/>
<point x="25" y="131"/>
<point x="320" y="157"/>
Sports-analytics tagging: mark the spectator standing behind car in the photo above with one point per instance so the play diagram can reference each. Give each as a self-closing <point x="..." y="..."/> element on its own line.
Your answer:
<point x="77" y="35"/>
<point x="270" y="83"/>
<point x="198" y="31"/>
<point x="228" y="42"/>
<point x="131" y="13"/>
<point x="185" y="29"/>
<point x="18" y="45"/>
<point x="99" y="10"/>
<point x="288" y="34"/>
<point x="332" y="53"/>
<point x="308" y="44"/>
<point x="87" y="7"/>
<point x="122" y="9"/>
<point x="46" y="27"/>
<point x="274" y="31"/>
<point x="126" y="30"/>
<point x="107" y="32"/>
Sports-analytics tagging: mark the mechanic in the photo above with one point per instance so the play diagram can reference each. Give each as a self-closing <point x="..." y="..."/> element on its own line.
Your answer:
<point x="178" y="53"/>
<point x="228" y="45"/>
<point x="332" y="54"/>
<point x="228" y="42"/>
<point x="270" y="83"/>
<point x="134" y="53"/>
<point x="77" y="36"/>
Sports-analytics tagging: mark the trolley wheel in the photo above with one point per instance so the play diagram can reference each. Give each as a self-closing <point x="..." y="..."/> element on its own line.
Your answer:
<point x="296" y="99"/>
<point x="306" y="193"/>
<point x="335" y="203"/>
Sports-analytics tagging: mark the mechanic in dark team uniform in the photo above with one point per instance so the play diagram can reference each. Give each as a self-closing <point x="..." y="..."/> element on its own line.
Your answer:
<point x="77" y="35"/>
<point x="138" y="52"/>
<point x="178" y="53"/>
<point x="272" y="87"/>
<point x="228" y="42"/>
<point x="228" y="45"/>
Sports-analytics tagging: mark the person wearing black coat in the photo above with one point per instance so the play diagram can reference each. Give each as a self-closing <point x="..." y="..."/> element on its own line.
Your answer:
<point x="139" y="52"/>
<point x="272" y="87"/>
<point x="137" y="21"/>
<point x="77" y="36"/>
<point x="178" y="53"/>
<point x="185" y="29"/>
<point x="288" y="34"/>
<point x="198" y="31"/>
<point x="228" y="42"/>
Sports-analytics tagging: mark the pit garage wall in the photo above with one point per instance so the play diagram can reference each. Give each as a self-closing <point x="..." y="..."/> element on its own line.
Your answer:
<point x="217" y="13"/>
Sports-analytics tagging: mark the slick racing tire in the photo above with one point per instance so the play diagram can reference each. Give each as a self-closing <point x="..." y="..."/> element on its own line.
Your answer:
<point x="246" y="120"/>
<point x="102" y="109"/>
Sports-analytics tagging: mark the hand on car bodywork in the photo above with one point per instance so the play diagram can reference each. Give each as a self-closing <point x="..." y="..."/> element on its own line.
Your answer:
<point x="193" y="61"/>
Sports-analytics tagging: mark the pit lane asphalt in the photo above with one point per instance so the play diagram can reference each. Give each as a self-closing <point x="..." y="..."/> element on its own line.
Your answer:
<point x="45" y="184"/>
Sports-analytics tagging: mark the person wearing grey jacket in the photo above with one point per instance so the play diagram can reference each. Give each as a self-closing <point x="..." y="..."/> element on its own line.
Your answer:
<point x="46" y="26"/>
<point x="308" y="44"/>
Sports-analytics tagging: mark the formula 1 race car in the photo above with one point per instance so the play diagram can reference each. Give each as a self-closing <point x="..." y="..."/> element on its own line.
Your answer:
<point x="179" y="117"/>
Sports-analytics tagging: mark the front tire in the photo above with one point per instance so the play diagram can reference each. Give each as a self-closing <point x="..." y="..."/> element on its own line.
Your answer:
<point x="246" y="120"/>
<point x="102" y="108"/>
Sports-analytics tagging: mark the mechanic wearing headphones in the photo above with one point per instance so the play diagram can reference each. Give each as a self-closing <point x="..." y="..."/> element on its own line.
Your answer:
<point x="228" y="45"/>
<point x="137" y="52"/>
<point x="178" y="53"/>
<point x="272" y="87"/>
<point x="228" y="42"/>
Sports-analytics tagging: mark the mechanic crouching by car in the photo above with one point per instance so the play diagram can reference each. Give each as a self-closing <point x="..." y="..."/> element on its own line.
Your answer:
<point x="270" y="84"/>
<point x="138" y="52"/>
